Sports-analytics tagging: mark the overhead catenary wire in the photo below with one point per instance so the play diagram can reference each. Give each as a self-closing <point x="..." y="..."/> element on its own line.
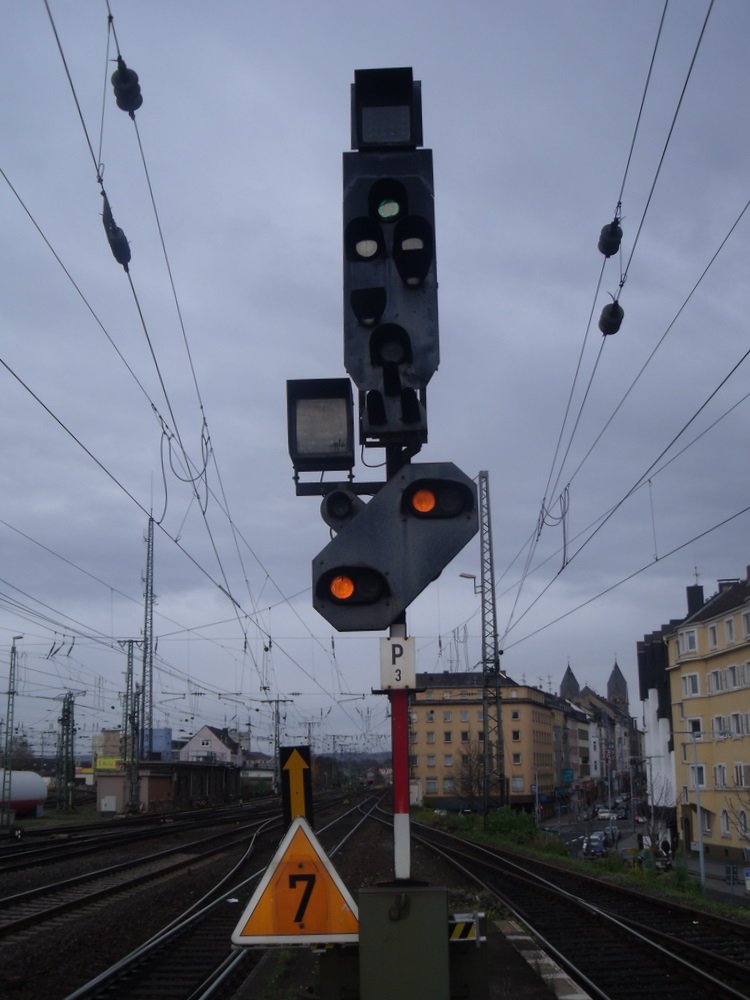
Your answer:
<point x="623" y="277"/>
<point x="568" y="405"/>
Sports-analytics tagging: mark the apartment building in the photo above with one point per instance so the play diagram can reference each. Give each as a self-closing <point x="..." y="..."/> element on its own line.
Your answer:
<point x="708" y="656"/>
<point x="447" y="743"/>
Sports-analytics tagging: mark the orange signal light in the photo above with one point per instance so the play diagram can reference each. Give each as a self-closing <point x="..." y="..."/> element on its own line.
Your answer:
<point x="424" y="501"/>
<point x="341" y="587"/>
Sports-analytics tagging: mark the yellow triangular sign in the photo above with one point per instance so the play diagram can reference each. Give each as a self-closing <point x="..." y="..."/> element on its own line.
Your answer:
<point x="300" y="899"/>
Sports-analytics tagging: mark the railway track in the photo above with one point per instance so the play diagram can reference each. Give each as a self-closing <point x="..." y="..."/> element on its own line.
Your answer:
<point x="34" y="906"/>
<point x="615" y="943"/>
<point x="192" y="956"/>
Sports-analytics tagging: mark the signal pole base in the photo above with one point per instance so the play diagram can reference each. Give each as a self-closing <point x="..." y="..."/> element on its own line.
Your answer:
<point x="403" y="944"/>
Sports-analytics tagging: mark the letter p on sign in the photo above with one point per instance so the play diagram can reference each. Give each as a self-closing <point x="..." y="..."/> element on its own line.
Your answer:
<point x="397" y="664"/>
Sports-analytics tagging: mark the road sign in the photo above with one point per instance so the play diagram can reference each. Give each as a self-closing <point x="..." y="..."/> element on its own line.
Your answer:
<point x="300" y="899"/>
<point x="397" y="663"/>
<point x="296" y="783"/>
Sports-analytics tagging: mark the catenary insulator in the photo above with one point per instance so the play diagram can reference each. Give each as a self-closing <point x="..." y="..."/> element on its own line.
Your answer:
<point x="127" y="89"/>
<point x="116" y="237"/>
<point x="609" y="238"/>
<point x="611" y="318"/>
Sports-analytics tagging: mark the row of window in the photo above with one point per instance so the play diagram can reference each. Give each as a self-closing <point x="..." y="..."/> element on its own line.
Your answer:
<point x="723" y="727"/>
<point x="464" y="716"/>
<point x="717" y="681"/>
<point x="432" y="785"/>
<point x="720" y="772"/>
<point x="431" y="760"/>
<point x="431" y="736"/>
<point x="688" y="638"/>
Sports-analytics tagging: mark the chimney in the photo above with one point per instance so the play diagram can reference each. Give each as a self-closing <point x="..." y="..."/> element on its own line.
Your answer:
<point x="725" y="585"/>
<point x="694" y="598"/>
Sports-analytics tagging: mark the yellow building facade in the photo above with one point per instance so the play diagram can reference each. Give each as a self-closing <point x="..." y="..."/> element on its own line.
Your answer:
<point x="709" y="679"/>
<point x="447" y="742"/>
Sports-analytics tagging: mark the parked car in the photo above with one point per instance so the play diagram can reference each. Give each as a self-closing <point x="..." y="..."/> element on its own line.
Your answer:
<point x="604" y="812"/>
<point x="595" y="845"/>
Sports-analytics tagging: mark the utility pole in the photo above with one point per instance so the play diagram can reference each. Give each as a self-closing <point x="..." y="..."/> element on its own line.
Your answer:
<point x="66" y="772"/>
<point x="147" y="692"/>
<point x="493" y="750"/>
<point x="276" y="734"/>
<point x="130" y="734"/>
<point x="492" y="716"/>
<point x="5" y="794"/>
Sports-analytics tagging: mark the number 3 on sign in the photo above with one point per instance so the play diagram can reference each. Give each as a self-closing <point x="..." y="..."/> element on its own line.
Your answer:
<point x="397" y="664"/>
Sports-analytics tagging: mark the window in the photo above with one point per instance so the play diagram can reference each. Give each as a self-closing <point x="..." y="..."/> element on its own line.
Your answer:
<point x="430" y="786"/>
<point x="447" y="736"/>
<point x="690" y="686"/>
<point x="205" y="743"/>
<point x="431" y="736"/>
<point x="413" y="717"/>
<point x="430" y="759"/>
<point x="464" y="735"/>
<point x="447" y="716"/>
<point x="480" y="736"/>
<point x="448" y="760"/>
<point x="715" y="681"/>
<point x="742" y="824"/>
<point x="713" y="641"/>
<point x="413" y="760"/>
<point x="446" y="695"/>
<point x="735" y="724"/>
<point x="480" y="715"/>
<point x="697" y="773"/>
<point x="688" y="641"/>
<point x="448" y="786"/>
<point x="516" y="758"/>
<point x="515" y="735"/>
<point x="695" y="726"/>
<point x="412" y="736"/>
<point x="731" y="678"/>
<point x="725" y="829"/>
<point x="464" y="716"/>
<point x="746" y="623"/>
<point x="430" y="715"/>
<point x="742" y="775"/>
<point x="720" y="775"/>
<point x="729" y="629"/>
<point x="720" y="726"/>
<point x="515" y="714"/>
<point x="516" y="783"/>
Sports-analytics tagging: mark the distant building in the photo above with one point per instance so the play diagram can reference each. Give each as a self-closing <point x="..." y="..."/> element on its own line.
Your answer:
<point x="210" y="745"/>
<point x="545" y="742"/>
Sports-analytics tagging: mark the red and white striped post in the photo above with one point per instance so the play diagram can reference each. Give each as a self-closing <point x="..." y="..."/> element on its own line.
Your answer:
<point x="399" y="699"/>
<point x="400" y="749"/>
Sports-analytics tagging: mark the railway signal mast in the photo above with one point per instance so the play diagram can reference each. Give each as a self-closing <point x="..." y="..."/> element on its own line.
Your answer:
<point x="386" y="551"/>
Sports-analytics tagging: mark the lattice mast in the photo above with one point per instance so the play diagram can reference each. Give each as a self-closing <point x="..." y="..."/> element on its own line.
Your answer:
<point x="147" y="685"/>
<point x="494" y="756"/>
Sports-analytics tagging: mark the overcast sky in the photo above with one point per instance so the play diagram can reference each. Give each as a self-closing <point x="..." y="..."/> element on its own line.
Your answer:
<point x="530" y="109"/>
